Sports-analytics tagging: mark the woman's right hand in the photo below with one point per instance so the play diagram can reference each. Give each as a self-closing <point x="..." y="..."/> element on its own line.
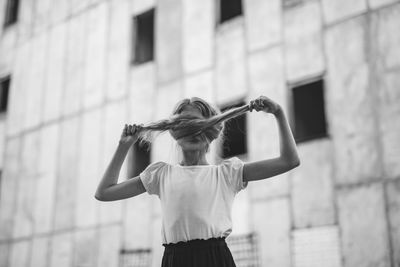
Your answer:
<point x="130" y="134"/>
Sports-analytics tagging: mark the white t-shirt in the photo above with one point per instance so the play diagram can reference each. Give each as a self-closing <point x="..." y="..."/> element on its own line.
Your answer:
<point x="196" y="201"/>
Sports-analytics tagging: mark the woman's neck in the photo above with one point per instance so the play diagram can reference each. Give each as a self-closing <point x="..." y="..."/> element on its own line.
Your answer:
<point x="194" y="157"/>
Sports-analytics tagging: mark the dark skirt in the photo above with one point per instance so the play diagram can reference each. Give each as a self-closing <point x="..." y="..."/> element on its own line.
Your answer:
<point x="212" y="252"/>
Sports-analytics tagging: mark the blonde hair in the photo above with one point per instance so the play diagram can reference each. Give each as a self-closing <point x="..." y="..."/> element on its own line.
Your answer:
<point x="209" y="128"/>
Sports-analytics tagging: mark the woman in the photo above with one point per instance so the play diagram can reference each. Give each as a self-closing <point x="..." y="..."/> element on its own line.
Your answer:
<point x="196" y="197"/>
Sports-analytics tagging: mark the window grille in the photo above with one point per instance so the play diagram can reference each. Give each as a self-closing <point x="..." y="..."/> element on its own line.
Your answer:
<point x="135" y="257"/>
<point x="316" y="247"/>
<point x="244" y="250"/>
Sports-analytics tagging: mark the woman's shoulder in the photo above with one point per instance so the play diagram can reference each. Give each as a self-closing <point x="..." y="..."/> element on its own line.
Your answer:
<point x="231" y="161"/>
<point x="156" y="165"/>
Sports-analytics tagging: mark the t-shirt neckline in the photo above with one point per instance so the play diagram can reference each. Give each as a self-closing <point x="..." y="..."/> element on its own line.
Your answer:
<point x="194" y="166"/>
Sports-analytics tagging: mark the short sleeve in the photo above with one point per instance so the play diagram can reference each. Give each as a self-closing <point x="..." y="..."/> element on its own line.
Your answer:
<point x="232" y="171"/>
<point x="150" y="177"/>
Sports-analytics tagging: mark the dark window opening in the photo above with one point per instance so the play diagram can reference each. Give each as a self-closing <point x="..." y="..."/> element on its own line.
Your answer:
<point x="135" y="257"/>
<point x="4" y="89"/>
<point x="230" y="9"/>
<point x="11" y="14"/>
<point x="309" y="111"/>
<point x="235" y="134"/>
<point x="244" y="250"/>
<point x="143" y="37"/>
<point x="139" y="159"/>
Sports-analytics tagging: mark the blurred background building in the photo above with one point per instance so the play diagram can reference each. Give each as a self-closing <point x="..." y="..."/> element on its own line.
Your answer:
<point x="73" y="72"/>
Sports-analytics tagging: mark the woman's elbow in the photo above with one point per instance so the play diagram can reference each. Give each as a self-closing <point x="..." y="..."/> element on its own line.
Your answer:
<point x="295" y="163"/>
<point x="99" y="197"/>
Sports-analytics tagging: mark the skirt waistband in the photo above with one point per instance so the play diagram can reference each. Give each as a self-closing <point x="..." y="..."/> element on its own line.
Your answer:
<point x="195" y="243"/>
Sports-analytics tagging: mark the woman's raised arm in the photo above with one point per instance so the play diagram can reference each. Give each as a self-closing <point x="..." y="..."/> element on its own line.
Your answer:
<point x="108" y="188"/>
<point x="288" y="158"/>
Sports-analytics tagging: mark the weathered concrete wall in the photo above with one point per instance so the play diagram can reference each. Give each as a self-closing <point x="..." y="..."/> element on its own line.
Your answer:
<point x="73" y="88"/>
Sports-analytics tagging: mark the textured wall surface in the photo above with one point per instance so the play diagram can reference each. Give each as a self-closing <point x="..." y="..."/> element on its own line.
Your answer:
<point x="73" y="87"/>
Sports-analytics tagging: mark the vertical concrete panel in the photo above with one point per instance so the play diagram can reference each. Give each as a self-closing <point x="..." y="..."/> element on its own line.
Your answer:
<point x="363" y="225"/>
<point x="41" y="16"/>
<point x="110" y="245"/>
<point x="342" y="9"/>
<point x="141" y="105"/>
<point x="59" y="11"/>
<point x="61" y="250"/>
<point x="385" y="41"/>
<point x="168" y="45"/>
<point x="94" y="81"/>
<point x="118" y="49"/>
<point x="387" y="36"/>
<point x="24" y="211"/>
<point x="271" y="220"/>
<point x="2" y="13"/>
<point x="54" y="82"/>
<point x="112" y="126"/>
<point x="89" y="171"/>
<point x="67" y="175"/>
<point x="8" y="44"/>
<point x="20" y="253"/>
<point x="137" y="233"/>
<point x="141" y="6"/>
<point x="198" y="34"/>
<point x="389" y="116"/>
<point x="78" y="6"/>
<point x="266" y="77"/>
<point x="230" y="62"/>
<point x="40" y="247"/>
<point x="25" y="20"/>
<point x="200" y="85"/>
<point x="263" y="23"/>
<point x="351" y="106"/>
<point x="46" y="179"/>
<point x="86" y="246"/>
<point x="17" y="92"/>
<point x="374" y="4"/>
<point x="303" y="41"/>
<point x="9" y="186"/>
<point x="312" y="186"/>
<point x="36" y="77"/>
<point x="75" y="64"/>
<point x="5" y="249"/>
<point x="393" y="205"/>
<point x="2" y="141"/>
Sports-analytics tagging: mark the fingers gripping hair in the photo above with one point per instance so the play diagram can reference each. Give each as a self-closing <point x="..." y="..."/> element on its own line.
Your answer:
<point x="180" y="126"/>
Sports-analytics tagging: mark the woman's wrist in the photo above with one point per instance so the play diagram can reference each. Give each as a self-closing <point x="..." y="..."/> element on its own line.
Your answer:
<point x="278" y="111"/>
<point x="124" y="145"/>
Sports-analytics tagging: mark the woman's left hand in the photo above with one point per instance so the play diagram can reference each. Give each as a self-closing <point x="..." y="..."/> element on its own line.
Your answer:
<point x="265" y="104"/>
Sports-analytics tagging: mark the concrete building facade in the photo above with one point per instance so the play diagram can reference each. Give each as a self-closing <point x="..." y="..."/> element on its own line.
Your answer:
<point x="73" y="86"/>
